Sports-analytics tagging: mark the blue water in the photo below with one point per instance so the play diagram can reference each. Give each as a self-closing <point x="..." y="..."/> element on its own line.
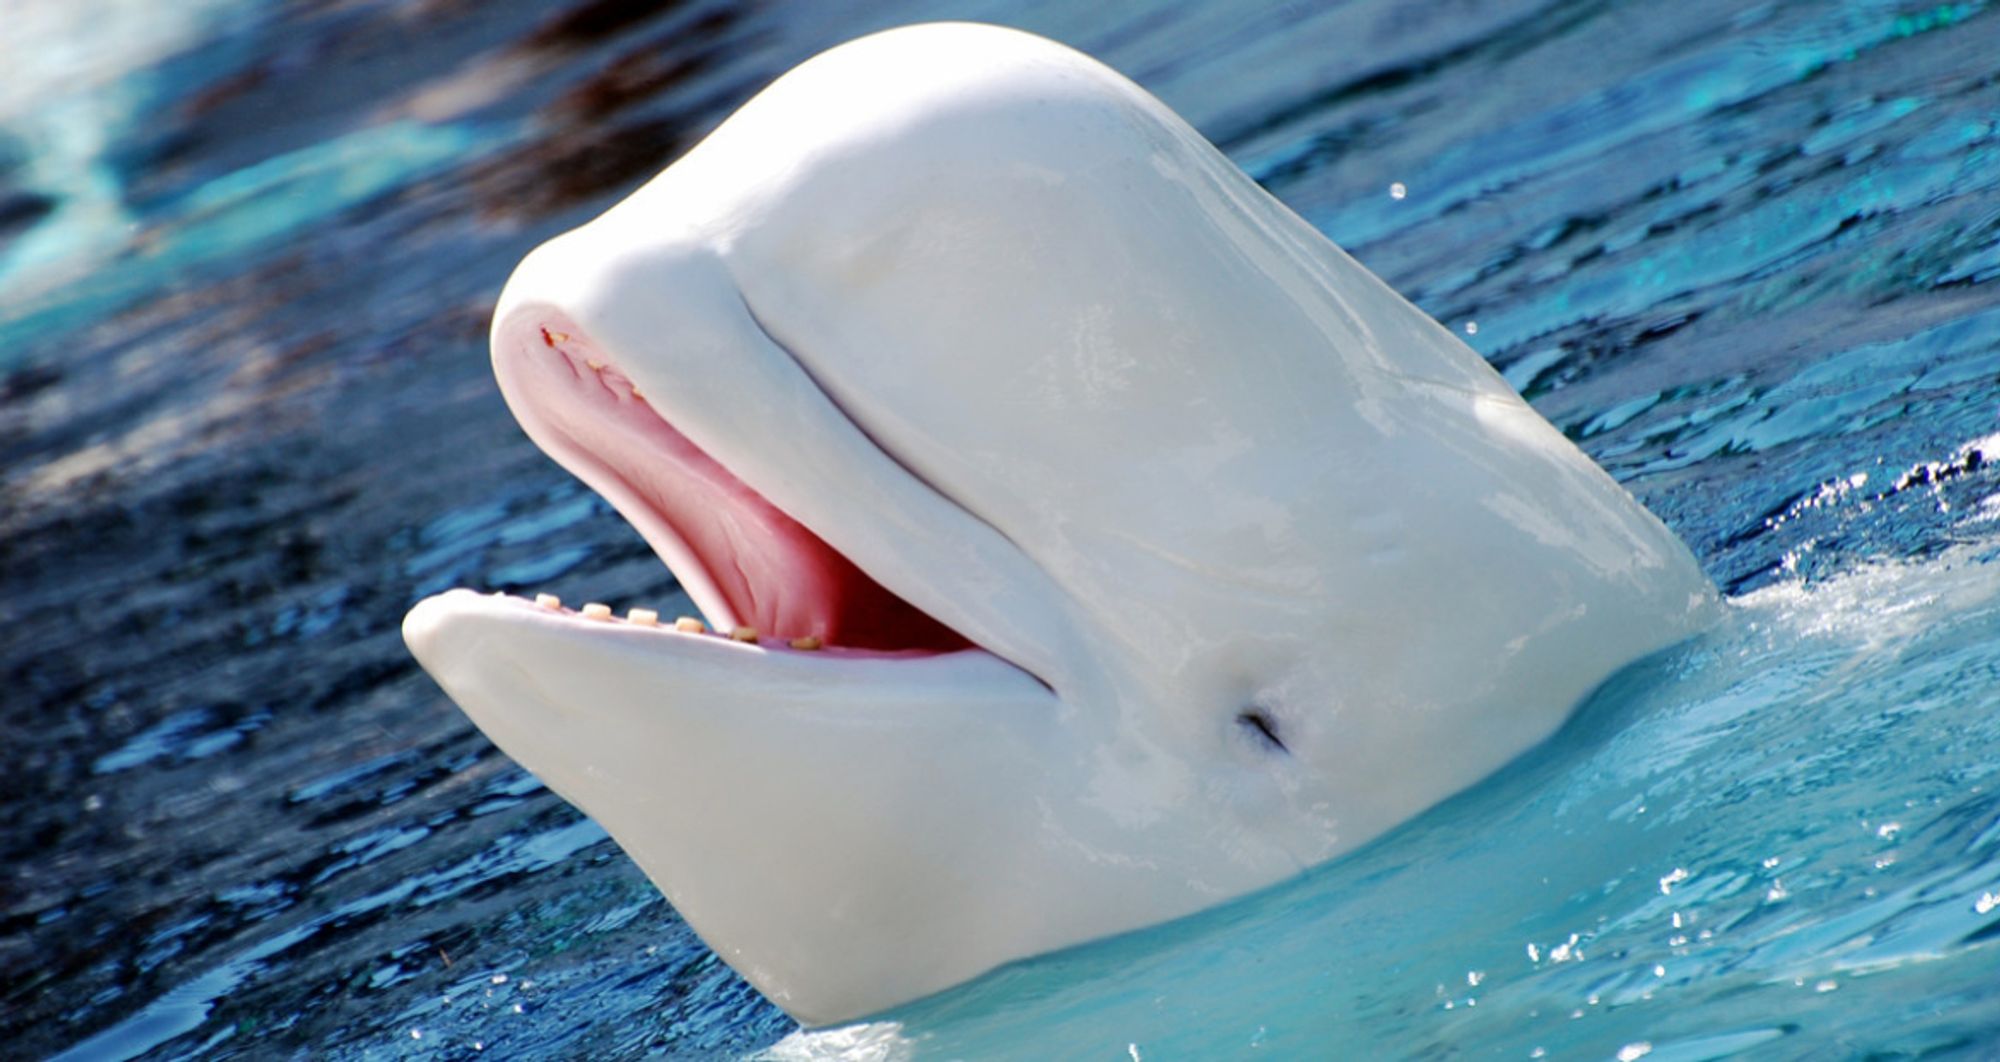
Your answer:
<point x="1748" y="256"/>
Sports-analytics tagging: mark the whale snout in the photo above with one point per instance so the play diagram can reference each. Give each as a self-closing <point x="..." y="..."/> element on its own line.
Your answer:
<point x="430" y="632"/>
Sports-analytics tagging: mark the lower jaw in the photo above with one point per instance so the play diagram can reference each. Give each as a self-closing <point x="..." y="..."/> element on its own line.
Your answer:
<point x="641" y="618"/>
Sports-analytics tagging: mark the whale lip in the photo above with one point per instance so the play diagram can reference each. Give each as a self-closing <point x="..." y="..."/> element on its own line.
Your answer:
<point x="449" y="626"/>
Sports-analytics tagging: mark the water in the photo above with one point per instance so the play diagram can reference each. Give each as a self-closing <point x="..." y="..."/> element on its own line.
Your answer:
<point x="1745" y="255"/>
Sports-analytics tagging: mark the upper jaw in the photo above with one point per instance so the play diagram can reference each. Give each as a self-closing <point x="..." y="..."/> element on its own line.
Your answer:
<point x="676" y="324"/>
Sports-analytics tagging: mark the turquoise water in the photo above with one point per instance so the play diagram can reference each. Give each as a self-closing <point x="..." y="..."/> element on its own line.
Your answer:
<point x="1745" y="255"/>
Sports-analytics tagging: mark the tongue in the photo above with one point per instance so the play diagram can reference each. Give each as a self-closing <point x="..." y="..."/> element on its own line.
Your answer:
<point x="769" y="570"/>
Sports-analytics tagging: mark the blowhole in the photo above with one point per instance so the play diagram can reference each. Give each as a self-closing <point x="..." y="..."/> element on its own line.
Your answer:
<point x="1259" y="720"/>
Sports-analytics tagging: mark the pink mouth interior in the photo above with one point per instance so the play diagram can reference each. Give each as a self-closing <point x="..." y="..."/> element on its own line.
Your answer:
<point x="771" y="572"/>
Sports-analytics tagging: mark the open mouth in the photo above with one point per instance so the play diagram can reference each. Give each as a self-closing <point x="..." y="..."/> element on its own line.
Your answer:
<point x="756" y="573"/>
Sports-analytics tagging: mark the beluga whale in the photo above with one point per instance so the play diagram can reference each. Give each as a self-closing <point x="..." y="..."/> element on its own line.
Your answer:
<point x="1080" y="539"/>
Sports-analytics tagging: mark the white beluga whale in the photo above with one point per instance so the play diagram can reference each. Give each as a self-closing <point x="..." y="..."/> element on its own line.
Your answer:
<point x="1082" y="539"/>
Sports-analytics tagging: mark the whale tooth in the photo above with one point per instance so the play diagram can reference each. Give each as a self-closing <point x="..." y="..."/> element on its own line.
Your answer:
<point x="808" y="643"/>
<point x="644" y="617"/>
<point x="596" y="611"/>
<point x="744" y="634"/>
<point x="690" y="625"/>
<point x="549" y="601"/>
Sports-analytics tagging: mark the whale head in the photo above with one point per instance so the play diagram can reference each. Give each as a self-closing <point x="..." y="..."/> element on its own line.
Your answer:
<point x="1100" y="541"/>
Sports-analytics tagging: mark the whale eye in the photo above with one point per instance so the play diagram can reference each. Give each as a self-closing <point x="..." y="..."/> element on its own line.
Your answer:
<point x="1260" y="721"/>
